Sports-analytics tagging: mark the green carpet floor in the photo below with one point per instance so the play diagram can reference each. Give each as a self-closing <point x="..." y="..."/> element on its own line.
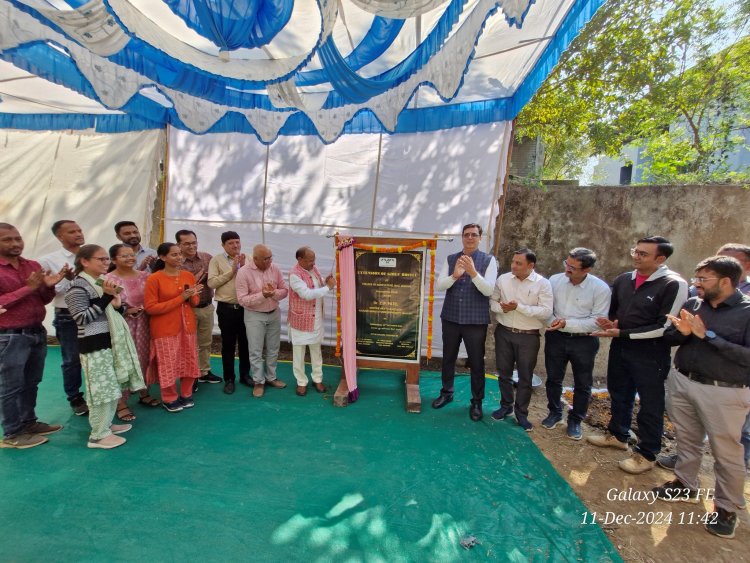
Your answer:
<point x="289" y="478"/>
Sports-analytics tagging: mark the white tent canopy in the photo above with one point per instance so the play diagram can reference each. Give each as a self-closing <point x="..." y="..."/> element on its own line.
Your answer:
<point x="288" y="120"/>
<point x="271" y="67"/>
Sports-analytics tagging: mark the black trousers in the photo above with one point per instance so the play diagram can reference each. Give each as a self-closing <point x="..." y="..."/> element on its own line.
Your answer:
<point x="473" y="337"/>
<point x="233" y="334"/>
<point x="638" y="367"/>
<point x="519" y="350"/>
<point x="580" y="350"/>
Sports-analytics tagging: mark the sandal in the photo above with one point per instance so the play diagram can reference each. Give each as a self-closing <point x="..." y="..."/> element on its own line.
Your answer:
<point x="125" y="414"/>
<point x="149" y="401"/>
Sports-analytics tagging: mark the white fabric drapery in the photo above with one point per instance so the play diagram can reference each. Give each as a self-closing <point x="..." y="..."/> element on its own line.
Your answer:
<point x="298" y="191"/>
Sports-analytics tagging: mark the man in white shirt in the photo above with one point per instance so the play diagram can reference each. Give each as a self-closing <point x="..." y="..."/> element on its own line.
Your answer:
<point x="307" y="288"/>
<point x="71" y="237"/>
<point x="127" y="233"/>
<point x="579" y="298"/>
<point x="467" y="278"/>
<point x="522" y="303"/>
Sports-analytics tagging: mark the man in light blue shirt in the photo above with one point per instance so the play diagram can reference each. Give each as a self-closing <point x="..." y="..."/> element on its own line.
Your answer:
<point x="579" y="298"/>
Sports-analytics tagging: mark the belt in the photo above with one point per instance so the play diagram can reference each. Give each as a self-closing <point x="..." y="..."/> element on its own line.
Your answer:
<point x="30" y="330"/>
<point x="698" y="378"/>
<point x="521" y="330"/>
<point x="230" y="305"/>
<point x="572" y="334"/>
<point x="265" y="312"/>
<point x="62" y="310"/>
<point x="202" y="305"/>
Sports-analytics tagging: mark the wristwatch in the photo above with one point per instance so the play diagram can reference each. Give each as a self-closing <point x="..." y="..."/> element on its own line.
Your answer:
<point x="710" y="335"/>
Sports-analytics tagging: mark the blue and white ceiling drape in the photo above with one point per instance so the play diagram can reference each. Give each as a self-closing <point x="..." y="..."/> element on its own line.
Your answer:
<point x="279" y="67"/>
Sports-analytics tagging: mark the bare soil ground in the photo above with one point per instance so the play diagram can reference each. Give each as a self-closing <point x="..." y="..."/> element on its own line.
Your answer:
<point x="593" y="472"/>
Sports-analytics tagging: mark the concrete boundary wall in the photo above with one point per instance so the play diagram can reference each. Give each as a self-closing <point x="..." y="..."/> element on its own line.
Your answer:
<point x="697" y="219"/>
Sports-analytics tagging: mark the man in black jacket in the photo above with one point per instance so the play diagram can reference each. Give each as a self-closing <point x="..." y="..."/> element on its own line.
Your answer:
<point x="709" y="395"/>
<point x="639" y="358"/>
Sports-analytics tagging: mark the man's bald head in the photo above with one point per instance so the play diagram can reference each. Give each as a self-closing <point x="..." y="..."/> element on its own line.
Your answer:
<point x="262" y="256"/>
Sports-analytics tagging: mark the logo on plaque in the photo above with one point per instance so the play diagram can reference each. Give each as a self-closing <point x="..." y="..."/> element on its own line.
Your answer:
<point x="387" y="262"/>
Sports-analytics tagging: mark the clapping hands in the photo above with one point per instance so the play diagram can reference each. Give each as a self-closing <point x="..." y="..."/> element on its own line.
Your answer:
<point x="687" y="324"/>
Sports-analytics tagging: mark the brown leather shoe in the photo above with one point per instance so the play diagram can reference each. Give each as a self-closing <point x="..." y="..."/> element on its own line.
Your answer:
<point x="275" y="383"/>
<point x="301" y="390"/>
<point x="258" y="390"/>
<point x="320" y="388"/>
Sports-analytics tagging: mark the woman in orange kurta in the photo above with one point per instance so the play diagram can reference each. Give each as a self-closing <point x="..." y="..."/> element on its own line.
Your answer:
<point x="169" y="298"/>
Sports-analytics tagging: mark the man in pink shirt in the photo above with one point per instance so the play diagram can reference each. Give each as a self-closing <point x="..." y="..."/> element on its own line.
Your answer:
<point x="260" y="287"/>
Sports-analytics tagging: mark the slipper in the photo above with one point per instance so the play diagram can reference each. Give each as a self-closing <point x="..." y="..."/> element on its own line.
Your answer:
<point x="149" y="401"/>
<point x="126" y="416"/>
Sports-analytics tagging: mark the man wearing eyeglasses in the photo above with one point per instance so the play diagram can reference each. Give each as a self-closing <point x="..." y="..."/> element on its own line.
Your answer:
<point x="741" y="253"/>
<point x="260" y="287"/>
<point x="467" y="277"/>
<point x="71" y="238"/>
<point x="639" y="357"/>
<point x="709" y="394"/>
<point x="579" y="299"/>
<point x="197" y="263"/>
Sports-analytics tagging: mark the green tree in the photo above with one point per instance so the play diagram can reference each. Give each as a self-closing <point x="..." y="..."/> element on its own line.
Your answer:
<point x="647" y="72"/>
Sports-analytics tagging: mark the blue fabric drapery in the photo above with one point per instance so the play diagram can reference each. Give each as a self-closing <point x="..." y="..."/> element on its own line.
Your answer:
<point x="234" y="24"/>
<point x="47" y="62"/>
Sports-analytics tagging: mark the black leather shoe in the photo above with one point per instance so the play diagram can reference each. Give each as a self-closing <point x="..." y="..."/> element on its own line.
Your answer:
<point x="441" y="401"/>
<point x="247" y="382"/>
<point x="475" y="412"/>
<point x="229" y="387"/>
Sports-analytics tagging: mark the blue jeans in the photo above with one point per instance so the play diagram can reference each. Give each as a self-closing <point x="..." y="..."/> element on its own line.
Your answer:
<point x="21" y="368"/>
<point x="66" y="331"/>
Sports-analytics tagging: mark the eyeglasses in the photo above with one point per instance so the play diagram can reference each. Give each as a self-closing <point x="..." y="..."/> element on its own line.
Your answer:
<point x="701" y="280"/>
<point x="102" y="259"/>
<point x="640" y="253"/>
<point x="570" y="266"/>
<point x="472" y="235"/>
<point x="189" y="243"/>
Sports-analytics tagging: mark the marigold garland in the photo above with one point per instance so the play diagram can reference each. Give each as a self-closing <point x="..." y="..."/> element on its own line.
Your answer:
<point x="343" y="242"/>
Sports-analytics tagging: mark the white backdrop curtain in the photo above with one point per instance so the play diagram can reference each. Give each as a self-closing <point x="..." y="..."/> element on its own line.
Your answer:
<point x="93" y="179"/>
<point x="297" y="191"/>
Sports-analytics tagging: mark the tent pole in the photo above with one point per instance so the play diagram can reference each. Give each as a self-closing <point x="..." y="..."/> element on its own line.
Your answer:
<point x="164" y="184"/>
<point x="377" y="182"/>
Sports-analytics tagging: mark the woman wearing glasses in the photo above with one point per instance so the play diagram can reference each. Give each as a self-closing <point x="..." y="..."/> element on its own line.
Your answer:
<point x="108" y="355"/>
<point x="170" y="296"/>
<point x="133" y="282"/>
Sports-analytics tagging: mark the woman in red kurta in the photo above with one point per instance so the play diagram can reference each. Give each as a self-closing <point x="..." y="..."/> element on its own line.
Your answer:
<point x="169" y="298"/>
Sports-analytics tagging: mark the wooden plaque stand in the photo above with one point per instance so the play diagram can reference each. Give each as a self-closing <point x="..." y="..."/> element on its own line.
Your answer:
<point x="411" y="383"/>
<point x="413" y="399"/>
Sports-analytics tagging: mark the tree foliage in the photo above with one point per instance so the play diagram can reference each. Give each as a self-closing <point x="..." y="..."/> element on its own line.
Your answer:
<point x="648" y="72"/>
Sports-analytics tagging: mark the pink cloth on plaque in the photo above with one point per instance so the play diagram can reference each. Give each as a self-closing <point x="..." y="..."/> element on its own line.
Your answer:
<point x="348" y="319"/>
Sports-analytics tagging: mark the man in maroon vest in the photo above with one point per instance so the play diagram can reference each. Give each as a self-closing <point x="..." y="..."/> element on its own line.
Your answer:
<point x="307" y="289"/>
